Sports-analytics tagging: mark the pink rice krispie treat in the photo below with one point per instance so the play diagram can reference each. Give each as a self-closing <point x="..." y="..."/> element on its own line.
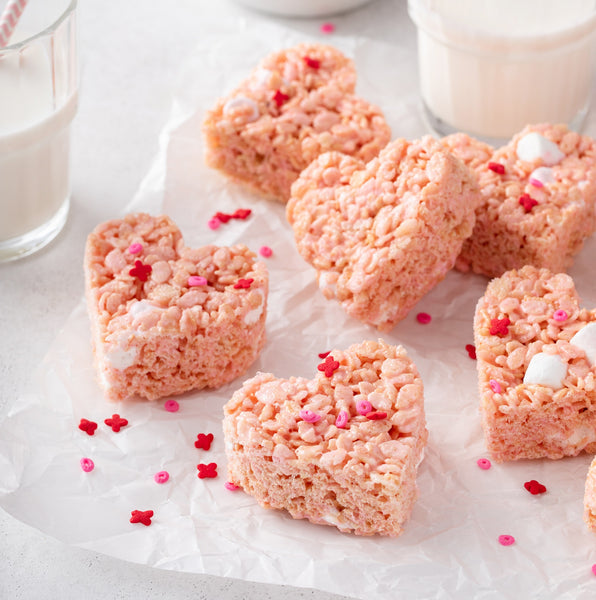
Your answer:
<point x="297" y="104"/>
<point x="539" y="199"/>
<point x="341" y="449"/>
<point x="381" y="234"/>
<point x="536" y="351"/>
<point x="590" y="497"/>
<point x="165" y="318"/>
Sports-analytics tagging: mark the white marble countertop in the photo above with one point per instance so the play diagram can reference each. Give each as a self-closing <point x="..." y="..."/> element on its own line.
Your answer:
<point x="130" y="53"/>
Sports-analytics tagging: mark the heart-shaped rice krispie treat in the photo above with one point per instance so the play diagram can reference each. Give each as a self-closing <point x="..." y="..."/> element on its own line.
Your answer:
<point x="297" y="104"/>
<point x="165" y="318"/>
<point x="381" y="234"/>
<point x="341" y="449"/>
<point x="536" y="351"/>
<point x="538" y="199"/>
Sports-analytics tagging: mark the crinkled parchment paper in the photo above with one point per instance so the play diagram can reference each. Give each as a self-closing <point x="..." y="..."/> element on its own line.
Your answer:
<point x="449" y="548"/>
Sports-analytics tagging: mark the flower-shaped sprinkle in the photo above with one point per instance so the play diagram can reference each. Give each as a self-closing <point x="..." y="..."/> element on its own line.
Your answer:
<point x="161" y="477"/>
<point x="313" y="63"/>
<point x="87" y="465"/>
<point x="204" y="441"/>
<point x="471" y="350"/>
<point x="499" y="326"/>
<point x="328" y="366"/>
<point x="497" y="167"/>
<point x="323" y="355"/>
<point x="141" y="516"/>
<point x="243" y="284"/>
<point x="171" y="405"/>
<point x="309" y="416"/>
<point x="141" y="271"/>
<point x="363" y="407"/>
<point x="242" y="213"/>
<point x="376" y="415"/>
<point x="88" y="427"/>
<point x="506" y="540"/>
<point x="116" y="422"/>
<point x="342" y="419"/>
<point x="560" y="315"/>
<point x="208" y="471"/>
<point x="527" y="202"/>
<point x="484" y="463"/>
<point x="222" y="217"/>
<point x="280" y="98"/>
<point x="534" y="487"/>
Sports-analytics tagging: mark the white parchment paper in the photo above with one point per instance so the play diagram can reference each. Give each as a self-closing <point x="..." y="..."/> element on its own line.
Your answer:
<point x="449" y="548"/>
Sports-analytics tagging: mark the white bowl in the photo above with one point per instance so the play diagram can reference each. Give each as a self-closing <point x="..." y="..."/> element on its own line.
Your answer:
<point x="303" y="8"/>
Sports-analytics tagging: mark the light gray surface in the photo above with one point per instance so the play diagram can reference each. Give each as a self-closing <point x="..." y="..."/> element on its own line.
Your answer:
<point x="130" y="54"/>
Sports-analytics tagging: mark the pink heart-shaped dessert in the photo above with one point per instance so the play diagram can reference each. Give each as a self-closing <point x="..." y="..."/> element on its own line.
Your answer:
<point x="341" y="449"/>
<point x="166" y="318"/>
<point x="538" y="199"/>
<point x="297" y="104"/>
<point x="536" y="351"/>
<point x="381" y="234"/>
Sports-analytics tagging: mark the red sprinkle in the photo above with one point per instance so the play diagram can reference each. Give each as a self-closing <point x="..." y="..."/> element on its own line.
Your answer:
<point x="376" y="415"/>
<point x="527" y="202"/>
<point x="141" y="516"/>
<point x="324" y="354"/>
<point x="280" y="98"/>
<point x="497" y="167"/>
<point x="207" y="471"/>
<point x="222" y="217"/>
<point x="423" y="318"/>
<point x="506" y="540"/>
<point x="534" y="487"/>
<point x="242" y="213"/>
<point x="313" y="63"/>
<point x="499" y="326"/>
<point x="328" y="366"/>
<point x="484" y="463"/>
<point x="243" y="284"/>
<point x="471" y="350"/>
<point x="88" y="427"/>
<point x="141" y="271"/>
<point x="231" y="486"/>
<point x="116" y="422"/>
<point x="327" y="28"/>
<point x="265" y="251"/>
<point x="204" y="441"/>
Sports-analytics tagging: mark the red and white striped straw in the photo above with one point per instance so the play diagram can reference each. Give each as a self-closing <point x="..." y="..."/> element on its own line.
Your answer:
<point x="9" y="19"/>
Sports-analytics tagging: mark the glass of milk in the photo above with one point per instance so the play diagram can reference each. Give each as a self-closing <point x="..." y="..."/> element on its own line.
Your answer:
<point x="490" y="67"/>
<point x="38" y="101"/>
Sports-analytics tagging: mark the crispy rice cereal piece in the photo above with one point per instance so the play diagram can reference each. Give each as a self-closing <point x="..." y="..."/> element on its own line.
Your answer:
<point x="536" y="380"/>
<point x="559" y="183"/>
<point x="297" y="104"/>
<point x="341" y="449"/>
<point x="170" y="334"/>
<point x="380" y="235"/>
<point x="590" y="497"/>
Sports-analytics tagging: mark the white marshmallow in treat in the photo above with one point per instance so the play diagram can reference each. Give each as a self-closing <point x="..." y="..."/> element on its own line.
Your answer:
<point x="533" y="146"/>
<point x="242" y="102"/>
<point x="585" y="339"/>
<point x="546" y="369"/>
<point x="543" y="175"/>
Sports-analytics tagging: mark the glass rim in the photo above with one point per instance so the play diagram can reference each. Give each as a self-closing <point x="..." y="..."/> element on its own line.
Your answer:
<point x="72" y="4"/>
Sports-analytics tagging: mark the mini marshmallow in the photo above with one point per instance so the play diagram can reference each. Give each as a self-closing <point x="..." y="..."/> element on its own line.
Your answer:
<point x="533" y="146"/>
<point x="585" y="339"/>
<point x="546" y="369"/>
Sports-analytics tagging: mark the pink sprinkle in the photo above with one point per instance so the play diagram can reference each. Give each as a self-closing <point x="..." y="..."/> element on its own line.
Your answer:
<point x="560" y="315"/>
<point x="342" y="419"/>
<point x="423" y="318"/>
<point x="506" y="540"/>
<point x="214" y="223"/>
<point x="309" y="416"/>
<point x="536" y="182"/>
<point x="594" y="569"/>
<point x="265" y="251"/>
<point x="135" y="248"/>
<point x="195" y="280"/>
<point x="161" y="477"/>
<point x="495" y="386"/>
<point x="363" y="407"/>
<point x="230" y="486"/>
<point x="327" y="28"/>
<point x="87" y="465"/>
<point x="171" y="405"/>
<point x="484" y="463"/>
